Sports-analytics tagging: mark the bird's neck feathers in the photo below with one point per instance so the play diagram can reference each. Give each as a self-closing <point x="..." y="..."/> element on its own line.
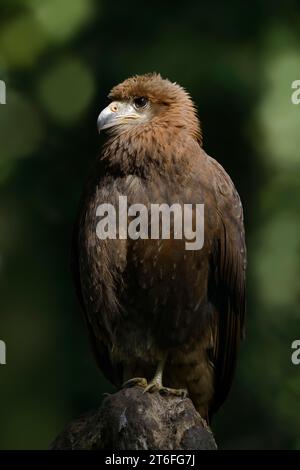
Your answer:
<point x="151" y="148"/>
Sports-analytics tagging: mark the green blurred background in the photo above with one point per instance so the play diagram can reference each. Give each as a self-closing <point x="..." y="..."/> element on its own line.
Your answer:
<point x="59" y="59"/>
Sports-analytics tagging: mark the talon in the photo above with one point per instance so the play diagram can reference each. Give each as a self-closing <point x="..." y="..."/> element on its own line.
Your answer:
<point x="180" y="392"/>
<point x="136" y="381"/>
<point x="152" y="387"/>
<point x="185" y="393"/>
<point x="156" y="387"/>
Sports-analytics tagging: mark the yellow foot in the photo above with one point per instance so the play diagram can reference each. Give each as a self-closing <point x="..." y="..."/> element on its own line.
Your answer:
<point x="156" y="387"/>
<point x="136" y="381"/>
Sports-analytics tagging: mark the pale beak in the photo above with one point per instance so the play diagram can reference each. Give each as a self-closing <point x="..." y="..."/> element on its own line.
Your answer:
<point x="116" y="113"/>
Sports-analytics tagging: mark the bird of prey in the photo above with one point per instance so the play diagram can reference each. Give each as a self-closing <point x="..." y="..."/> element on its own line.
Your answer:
<point x="158" y="315"/>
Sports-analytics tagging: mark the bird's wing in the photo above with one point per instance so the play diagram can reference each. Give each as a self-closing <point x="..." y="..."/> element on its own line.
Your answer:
<point x="227" y="286"/>
<point x="99" y="348"/>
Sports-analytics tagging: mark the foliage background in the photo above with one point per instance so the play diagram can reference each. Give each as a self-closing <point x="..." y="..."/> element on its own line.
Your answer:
<point x="59" y="59"/>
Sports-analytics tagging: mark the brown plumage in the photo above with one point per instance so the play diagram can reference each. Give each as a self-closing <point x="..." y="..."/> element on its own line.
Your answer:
<point x="150" y="302"/>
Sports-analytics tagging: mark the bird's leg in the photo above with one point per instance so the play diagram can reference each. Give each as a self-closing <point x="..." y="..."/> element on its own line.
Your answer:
<point x="157" y="385"/>
<point x="156" y="382"/>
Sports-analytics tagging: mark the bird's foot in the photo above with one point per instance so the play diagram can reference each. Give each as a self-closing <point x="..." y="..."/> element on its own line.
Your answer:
<point x="136" y="381"/>
<point x="157" y="387"/>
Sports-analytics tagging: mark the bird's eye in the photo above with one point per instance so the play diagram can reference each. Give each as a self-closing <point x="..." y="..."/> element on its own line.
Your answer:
<point x="140" y="102"/>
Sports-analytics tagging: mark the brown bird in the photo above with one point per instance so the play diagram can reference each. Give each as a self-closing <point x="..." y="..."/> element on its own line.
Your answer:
<point x="156" y="312"/>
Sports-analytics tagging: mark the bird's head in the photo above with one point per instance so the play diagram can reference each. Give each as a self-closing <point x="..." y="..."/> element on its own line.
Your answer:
<point x="149" y="102"/>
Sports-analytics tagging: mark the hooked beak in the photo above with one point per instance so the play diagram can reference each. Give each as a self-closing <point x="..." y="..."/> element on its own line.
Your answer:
<point x="115" y="114"/>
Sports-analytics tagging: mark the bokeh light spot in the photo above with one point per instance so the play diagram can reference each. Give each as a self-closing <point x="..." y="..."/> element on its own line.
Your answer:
<point x="22" y="40"/>
<point x="66" y="90"/>
<point x="279" y="118"/>
<point x="61" y="19"/>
